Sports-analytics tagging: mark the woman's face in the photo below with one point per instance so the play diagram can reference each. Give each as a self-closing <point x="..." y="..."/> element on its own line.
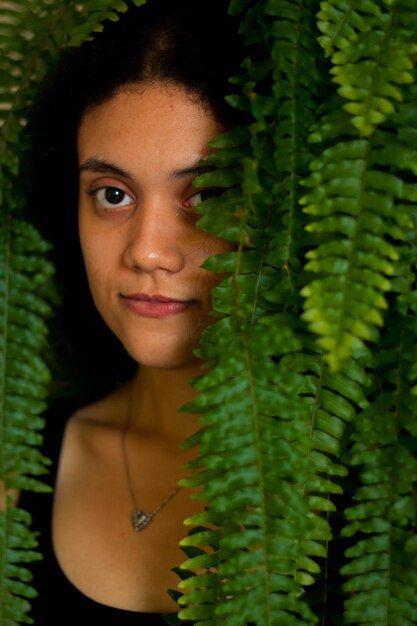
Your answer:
<point x="138" y="154"/>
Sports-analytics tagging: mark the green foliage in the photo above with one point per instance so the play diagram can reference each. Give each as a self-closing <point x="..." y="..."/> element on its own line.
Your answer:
<point x="24" y="307"/>
<point x="360" y="190"/>
<point x="307" y="461"/>
<point x="306" y="466"/>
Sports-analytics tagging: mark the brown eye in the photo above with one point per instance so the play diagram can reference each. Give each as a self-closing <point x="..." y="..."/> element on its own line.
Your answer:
<point x="112" y="197"/>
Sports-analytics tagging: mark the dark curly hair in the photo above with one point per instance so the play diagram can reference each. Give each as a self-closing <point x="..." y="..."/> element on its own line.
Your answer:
<point x="192" y="43"/>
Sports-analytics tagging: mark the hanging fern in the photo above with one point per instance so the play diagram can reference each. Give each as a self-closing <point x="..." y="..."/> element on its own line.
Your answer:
<point x="24" y="308"/>
<point x="256" y="570"/>
<point x="269" y="397"/>
<point x="355" y="198"/>
<point x="382" y="518"/>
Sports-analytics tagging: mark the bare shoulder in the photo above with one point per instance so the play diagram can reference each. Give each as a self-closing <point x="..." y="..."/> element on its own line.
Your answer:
<point x="108" y="410"/>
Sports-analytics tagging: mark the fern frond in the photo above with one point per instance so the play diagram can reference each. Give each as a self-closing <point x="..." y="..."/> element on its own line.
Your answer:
<point x="371" y="50"/>
<point x="381" y="566"/>
<point x="334" y="401"/>
<point x="246" y="481"/>
<point x="16" y="587"/>
<point x="25" y="304"/>
<point x="359" y="201"/>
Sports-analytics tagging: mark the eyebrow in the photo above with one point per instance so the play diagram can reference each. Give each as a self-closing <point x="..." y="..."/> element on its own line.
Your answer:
<point x="101" y="166"/>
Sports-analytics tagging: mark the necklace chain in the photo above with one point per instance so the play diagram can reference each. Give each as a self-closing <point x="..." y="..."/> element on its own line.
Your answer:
<point x="140" y="519"/>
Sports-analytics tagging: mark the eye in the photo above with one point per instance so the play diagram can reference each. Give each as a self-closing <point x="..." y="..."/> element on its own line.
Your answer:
<point x="112" y="197"/>
<point x="204" y="194"/>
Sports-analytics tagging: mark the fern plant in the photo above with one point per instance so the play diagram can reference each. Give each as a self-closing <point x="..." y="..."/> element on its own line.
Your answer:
<point x="307" y="448"/>
<point x="332" y="255"/>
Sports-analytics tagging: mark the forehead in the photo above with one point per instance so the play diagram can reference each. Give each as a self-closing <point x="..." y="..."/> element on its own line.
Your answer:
<point x="164" y="122"/>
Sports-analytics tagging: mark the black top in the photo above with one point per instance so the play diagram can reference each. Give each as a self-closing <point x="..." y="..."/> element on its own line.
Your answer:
<point x="57" y="596"/>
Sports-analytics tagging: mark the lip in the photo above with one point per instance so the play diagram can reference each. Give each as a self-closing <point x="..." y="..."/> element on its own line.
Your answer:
<point x="154" y="306"/>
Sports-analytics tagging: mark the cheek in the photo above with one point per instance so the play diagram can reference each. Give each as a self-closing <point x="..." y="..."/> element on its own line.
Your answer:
<point x="97" y="247"/>
<point x="208" y="245"/>
<point x="91" y="264"/>
<point x="95" y="263"/>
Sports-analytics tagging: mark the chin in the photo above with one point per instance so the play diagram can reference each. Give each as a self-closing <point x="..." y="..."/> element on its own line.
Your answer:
<point x="163" y="357"/>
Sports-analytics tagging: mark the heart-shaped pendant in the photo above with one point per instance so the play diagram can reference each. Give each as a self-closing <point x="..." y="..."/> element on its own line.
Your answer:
<point x="140" y="519"/>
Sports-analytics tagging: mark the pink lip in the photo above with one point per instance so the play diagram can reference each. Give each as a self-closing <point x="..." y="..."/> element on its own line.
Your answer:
<point x="154" y="306"/>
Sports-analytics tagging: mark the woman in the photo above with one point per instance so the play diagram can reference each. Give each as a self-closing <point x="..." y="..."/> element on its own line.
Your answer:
<point x="133" y="111"/>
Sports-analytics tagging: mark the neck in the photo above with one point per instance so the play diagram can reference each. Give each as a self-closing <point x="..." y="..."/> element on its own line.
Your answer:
<point x="157" y="395"/>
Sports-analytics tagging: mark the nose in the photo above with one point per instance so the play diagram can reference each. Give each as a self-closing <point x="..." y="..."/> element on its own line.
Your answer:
<point x="153" y="239"/>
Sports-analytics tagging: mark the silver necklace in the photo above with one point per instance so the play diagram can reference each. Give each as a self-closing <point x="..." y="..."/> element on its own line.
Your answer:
<point x="140" y="519"/>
